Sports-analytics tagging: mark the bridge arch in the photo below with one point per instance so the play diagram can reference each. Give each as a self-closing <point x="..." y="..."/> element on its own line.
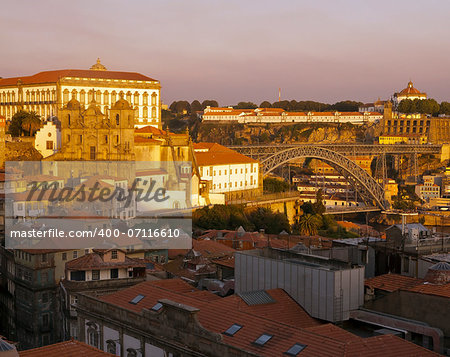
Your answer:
<point x="359" y="175"/>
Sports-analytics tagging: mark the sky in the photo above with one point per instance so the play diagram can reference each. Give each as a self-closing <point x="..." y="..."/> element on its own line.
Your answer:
<point x="241" y="50"/>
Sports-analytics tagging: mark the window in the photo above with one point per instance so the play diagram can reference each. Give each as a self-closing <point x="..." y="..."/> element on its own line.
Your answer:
<point x="117" y="119"/>
<point x="114" y="254"/>
<point x="92" y="153"/>
<point x="111" y="347"/>
<point x="95" y="274"/>
<point x="81" y="139"/>
<point x="263" y="339"/>
<point x="44" y="258"/>
<point x="233" y="329"/>
<point x="157" y="307"/>
<point x="153" y="112"/>
<point x="64" y="256"/>
<point x="114" y="273"/>
<point x="295" y="350"/>
<point x="106" y="139"/>
<point x="75" y="254"/>
<point x="136" y="300"/>
<point x="45" y="320"/>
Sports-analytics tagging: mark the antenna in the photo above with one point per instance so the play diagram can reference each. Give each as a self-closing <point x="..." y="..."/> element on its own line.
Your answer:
<point x="279" y="94"/>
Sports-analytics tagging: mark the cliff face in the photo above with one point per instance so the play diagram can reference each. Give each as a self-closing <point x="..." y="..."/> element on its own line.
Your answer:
<point x="295" y="133"/>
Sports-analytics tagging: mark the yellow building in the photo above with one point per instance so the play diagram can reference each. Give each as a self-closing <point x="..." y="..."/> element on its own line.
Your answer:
<point x="49" y="91"/>
<point x="403" y="138"/>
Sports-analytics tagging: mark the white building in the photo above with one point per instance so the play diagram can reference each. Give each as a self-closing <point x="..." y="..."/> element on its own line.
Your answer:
<point x="409" y="93"/>
<point x="48" y="139"/>
<point x="227" y="172"/>
<point x="47" y="92"/>
<point x="277" y="115"/>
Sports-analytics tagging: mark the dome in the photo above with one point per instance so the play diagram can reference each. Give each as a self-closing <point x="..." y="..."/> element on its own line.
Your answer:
<point x="93" y="109"/>
<point x="410" y="90"/>
<point x="438" y="273"/>
<point x="121" y="104"/>
<point x="73" y="104"/>
<point x="98" y="66"/>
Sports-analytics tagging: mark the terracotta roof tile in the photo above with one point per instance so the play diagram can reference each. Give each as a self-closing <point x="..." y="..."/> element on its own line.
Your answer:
<point x="431" y="289"/>
<point x="70" y="348"/>
<point x="391" y="282"/>
<point x="54" y="76"/>
<point x="94" y="261"/>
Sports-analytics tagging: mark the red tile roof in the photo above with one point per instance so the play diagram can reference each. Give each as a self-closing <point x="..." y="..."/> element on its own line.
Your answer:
<point x="385" y="346"/>
<point x="94" y="261"/>
<point x="71" y="348"/>
<point x="210" y="248"/>
<point x="284" y="319"/>
<point x="54" y="76"/>
<point x="431" y="289"/>
<point x="222" y="158"/>
<point x="391" y="282"/>
<point x="150" y="130"/>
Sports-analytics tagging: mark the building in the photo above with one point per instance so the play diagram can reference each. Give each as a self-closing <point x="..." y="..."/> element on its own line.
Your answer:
<point x="66" y="348"/>
<point x="2" y="139"/>
<point x="48" y="138"/>
<point x="429" y="189"/>
<point x="49" y="91"/>
<point x="90" y="134"/>
<point x="277" y="115"/>
<point x="170" y="318"/>
<point x="417" y="139"/>
<point x="377" y="106"/>
<point x="227" y="173"/>
<point x="327" y="289"/>
<point x="409" y="93"/>
<point x="437" y="130"/>
<point x="408" y="234"/>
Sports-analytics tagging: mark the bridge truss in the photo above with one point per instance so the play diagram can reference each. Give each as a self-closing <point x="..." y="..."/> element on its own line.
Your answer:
<point x="363" y="183"/>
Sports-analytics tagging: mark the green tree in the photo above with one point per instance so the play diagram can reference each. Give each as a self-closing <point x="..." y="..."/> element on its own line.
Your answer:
<point x="245" y="105"/>
<point x="196" y="106"/>
<point x="271" y="222"/>
<point x="318" y="206"/>
<point x="209" y="103"/>
<point x="31" y="123"/>
<point x="444" y="108"/>
<point x="265" y="104"/>
<point x="308" y="224"/>
<point x="183" y="106"/>
<point x="15" y="128"/>
<point x="346" y="106"/>
<point x="274" y="185"/>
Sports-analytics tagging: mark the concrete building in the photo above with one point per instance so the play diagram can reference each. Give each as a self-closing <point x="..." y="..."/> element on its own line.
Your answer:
<point x="418" y="139"/>
<point x="429" y="189"/>
<point x="280" y="116"/>
<point x="327" y="289"/>
<point x="47" y="92"/>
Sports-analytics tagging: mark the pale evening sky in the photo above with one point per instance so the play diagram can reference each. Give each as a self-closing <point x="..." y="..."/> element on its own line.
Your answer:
<point x="239" y="50"/>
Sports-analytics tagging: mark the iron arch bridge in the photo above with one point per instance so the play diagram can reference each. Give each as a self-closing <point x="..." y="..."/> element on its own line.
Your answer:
<point x="368" y="188"/>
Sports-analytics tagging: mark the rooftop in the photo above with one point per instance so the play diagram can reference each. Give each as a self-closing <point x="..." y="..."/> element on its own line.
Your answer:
<point x="391" y="282"/>
<point x="71" y="348"/>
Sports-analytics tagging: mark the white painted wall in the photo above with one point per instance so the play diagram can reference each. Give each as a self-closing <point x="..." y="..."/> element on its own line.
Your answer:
<point x="48" y="133"/>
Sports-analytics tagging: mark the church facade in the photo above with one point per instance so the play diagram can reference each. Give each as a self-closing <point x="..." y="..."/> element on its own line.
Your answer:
<point x="47" y="92"/>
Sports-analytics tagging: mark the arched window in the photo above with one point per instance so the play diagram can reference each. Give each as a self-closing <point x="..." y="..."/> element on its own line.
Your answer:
<point x="38" y="96"/>
<point x="136" y="112"/>
<point x="145" y="112"/>
<point x="153" y="98"/>
<point x="92" y="334"/>
<point x="113" y="97"/>
<point x="117" y="119"/>
<point x="131" y="352"/>
<point x="65" y="96"/>
<point x="27" y="96"/>
<point x="105" y="97"/>
<point x="82" y="96"/>
<point x="74" y="93"/>
<point x="145" y="98"/>
<point x="129" y="97"/>
<point x="98" y="97"/>
<point x="153" y="112"/>
<point x="90" y="95"/>
<point x="111" y="347"/>
<point x="68" y="119"/>
<point x="136" y="98"/>
<point x="33" y="95"/>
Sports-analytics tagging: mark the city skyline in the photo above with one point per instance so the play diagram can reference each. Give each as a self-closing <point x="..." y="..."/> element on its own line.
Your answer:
<point x="237" y="52"/>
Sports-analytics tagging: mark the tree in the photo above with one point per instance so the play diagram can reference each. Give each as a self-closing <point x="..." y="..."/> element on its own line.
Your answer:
<point x="265" y="104"/>
<point x="444" y="108"/>
<point x="274" y="185"/>
<point x="245" y="105"/>
<point x="31" y="123"/>
<point x="308" y="224"/>
<point x="183" y="107"/>
<point x="284" y="104"/>
<point x="346" y="106"/>
<point x="271" y="222"/>
<point x="15" y="128"/>
<point x="196" y="106"/>
<point x="318" y="206"/>
<point x="209" y="103"/>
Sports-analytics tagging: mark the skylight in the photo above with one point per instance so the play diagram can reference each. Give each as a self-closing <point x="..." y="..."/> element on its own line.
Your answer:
<point x="157" y="306"/>
<point x="262" y="340"/>
<point x="295" y="350"/>
<point x="233" y="329"/>
<point x="137" y="299"/>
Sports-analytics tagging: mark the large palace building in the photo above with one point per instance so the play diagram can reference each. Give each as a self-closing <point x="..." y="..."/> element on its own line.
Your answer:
<point x="48" y="92"/>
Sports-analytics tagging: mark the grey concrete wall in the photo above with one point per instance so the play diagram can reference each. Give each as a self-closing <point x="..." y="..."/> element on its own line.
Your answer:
<point x="325" y="294"/>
